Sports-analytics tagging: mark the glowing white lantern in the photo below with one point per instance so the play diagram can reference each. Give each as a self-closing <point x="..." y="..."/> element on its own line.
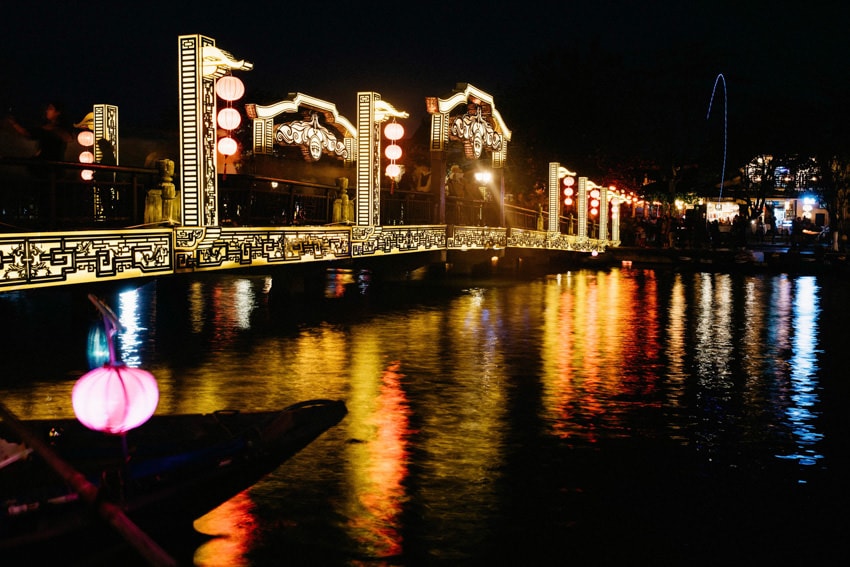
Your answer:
<point x="115" y="398"/>
<point x="393" y="171"/>
<point x="86" y="157"/>
<point x="87" y="175"/>
<point x="85" y="138"/>
<point x="394" y="131"/>
<point x="393" y="152"/>
<point x="229" y="118"/>
<point x="227" y="146"/>
<point x="229" y="88"/>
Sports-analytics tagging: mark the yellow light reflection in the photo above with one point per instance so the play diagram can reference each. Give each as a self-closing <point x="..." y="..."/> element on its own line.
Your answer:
<point x="592" y="332"/>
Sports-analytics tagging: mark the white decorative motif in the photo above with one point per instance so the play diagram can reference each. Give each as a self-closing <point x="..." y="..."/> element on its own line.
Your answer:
<point x="313" y="138"/>
<point x="384" y="111"/>
<point x="218" y="62"/>
<point x="476" y="133"/>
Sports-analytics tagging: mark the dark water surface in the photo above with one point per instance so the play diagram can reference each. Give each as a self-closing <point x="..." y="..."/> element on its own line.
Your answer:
<point x="622" y="417"/>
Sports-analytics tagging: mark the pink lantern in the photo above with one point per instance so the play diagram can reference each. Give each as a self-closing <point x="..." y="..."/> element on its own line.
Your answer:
<point x="394" y="131"/>
<point x="227" y="146"/>
<point x="229" y="88"/>
<point x="393" y="152"/>
<point x="87" y="175"/>
<point x="86" y="157"/>
<point x="229" y="118"/>
<point x="115" y="398"/>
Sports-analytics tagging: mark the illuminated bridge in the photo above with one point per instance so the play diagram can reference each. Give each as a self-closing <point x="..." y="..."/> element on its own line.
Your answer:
<point x="70" y="223"/>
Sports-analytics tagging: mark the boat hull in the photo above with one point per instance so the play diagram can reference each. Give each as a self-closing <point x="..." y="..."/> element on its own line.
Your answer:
<point x="163" y="475"/>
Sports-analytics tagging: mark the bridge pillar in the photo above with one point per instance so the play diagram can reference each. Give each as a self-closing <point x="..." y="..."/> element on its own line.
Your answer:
<point x="603" y="214"/>
<point x="582" y="208"/>
<point x="368" y="203"/>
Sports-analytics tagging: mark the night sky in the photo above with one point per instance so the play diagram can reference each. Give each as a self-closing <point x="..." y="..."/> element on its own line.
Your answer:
<point x="628" y="76"/>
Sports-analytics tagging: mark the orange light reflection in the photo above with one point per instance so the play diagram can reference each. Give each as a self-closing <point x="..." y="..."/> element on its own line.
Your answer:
<point x="233" y="524"/>
<point x="381" y="492"/>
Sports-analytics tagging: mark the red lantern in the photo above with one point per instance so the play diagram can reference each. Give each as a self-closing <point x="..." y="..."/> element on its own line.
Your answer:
<point x="115" y="398"/>
<point x="394" y="131"/>
<point x="229" y="118"/>
<point x="229" y="88"/>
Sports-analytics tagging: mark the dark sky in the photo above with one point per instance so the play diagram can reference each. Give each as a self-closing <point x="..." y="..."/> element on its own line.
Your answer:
<point x="624" y="70"/>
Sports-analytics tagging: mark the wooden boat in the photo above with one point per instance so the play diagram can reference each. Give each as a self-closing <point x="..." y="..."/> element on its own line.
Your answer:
<point x="170" y="470"/>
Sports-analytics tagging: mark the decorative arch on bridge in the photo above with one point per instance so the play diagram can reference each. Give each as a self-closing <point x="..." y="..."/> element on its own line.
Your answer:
<point x="468" y="115"/>
<point x="317" y="129"/>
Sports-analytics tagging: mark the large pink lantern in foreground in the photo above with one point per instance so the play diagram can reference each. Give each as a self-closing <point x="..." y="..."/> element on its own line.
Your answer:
<point x="114" y="398"/>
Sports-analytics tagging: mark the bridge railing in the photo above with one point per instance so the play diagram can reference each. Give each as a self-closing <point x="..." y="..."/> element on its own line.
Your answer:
<point x="51" y="196"/>
<point x="37" y="196"/>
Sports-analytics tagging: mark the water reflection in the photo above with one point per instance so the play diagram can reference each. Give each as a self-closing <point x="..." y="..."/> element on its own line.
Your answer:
<point x="804" y="369"/>
<point x="379" y="461"/>
<point x="232" y="525"/>
<point x="601" y="340"/>
<point x="465" y="413"/>
<point x="129" y="339"/>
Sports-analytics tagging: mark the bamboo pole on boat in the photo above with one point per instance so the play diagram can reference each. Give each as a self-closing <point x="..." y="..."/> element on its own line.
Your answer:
<point x="113" y="514"/>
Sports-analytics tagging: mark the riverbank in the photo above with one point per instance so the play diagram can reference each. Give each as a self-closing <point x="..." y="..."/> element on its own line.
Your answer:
<point x="755" y="257"/>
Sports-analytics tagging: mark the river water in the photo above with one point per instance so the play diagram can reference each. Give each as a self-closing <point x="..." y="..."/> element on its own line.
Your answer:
<point x="592" y="417"/>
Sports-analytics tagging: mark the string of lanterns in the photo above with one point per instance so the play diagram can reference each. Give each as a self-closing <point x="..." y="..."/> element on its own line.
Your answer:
<point x="230" y="89"/>
<point x="86" y="139"/>
<point x="393" y="132"/>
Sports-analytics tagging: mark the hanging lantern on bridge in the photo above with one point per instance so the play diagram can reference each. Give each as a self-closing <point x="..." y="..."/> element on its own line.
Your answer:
<point x="86" y="139"/>
<point x="393" y="171"/>
<point x="229" y="88"/>
<point x="229" y="118"/>
<point x="393" y="152"/>
<point x="594" y="202"/>
<point x="393" y="131"/>
<point x="227" y="146"/>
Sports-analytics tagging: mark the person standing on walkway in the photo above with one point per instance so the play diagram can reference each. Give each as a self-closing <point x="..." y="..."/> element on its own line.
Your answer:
<point x="52" y="137"/>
